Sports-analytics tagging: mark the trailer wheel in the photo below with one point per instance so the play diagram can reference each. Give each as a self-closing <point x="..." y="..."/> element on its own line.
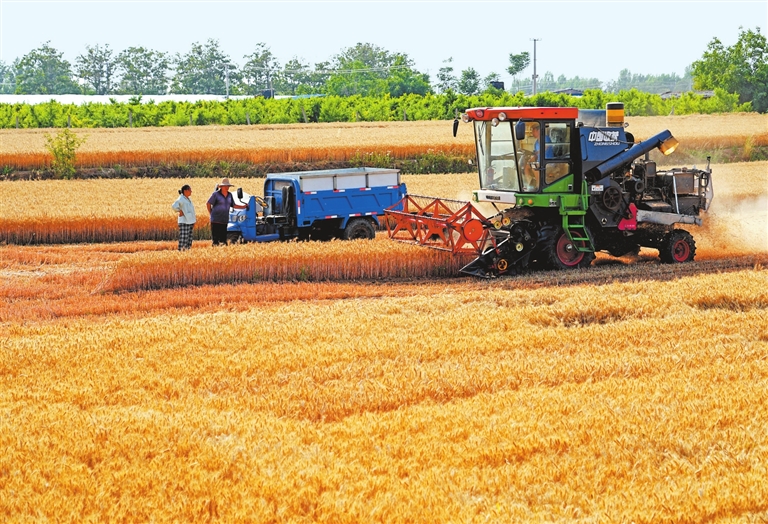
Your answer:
<point x="359" y="228"/>
<point x="677" y="247"/>
<point x="558" y="252"/>
<point x="234" y="237"/>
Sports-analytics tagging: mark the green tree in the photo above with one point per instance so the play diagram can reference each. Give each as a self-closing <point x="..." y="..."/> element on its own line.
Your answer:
<point x="63" y="148"/>
<point x="517" y="63"/>
<point x="403" y="79"/>
<point x="489" y="79"/>
<point x="370" y="70"/>
<point x="317" y="79"/>
<point x="446" y="80"/>
<point x="142" y="71"/>
<point x="260" y="71"/>
<point x="205" y="69"/>
<point x="294" y="74"/>
<point x="7" y="79"/>
<point x="650" y="83"/>
<point x="469" y="82"/>
<point x="44" y="71"/>
<point x="741" y="68"/>
<point x="96" y="68"/>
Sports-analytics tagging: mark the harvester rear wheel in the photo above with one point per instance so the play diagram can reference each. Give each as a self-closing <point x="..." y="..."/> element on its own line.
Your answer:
<point x="677" y="247"/>
<point x="559" y="252"/>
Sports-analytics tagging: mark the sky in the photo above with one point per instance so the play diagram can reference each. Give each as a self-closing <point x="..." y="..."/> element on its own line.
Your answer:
<point x="589" y="39"/>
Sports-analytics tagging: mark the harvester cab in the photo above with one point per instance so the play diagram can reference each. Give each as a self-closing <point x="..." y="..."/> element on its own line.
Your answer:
<point x="564" y="183"/>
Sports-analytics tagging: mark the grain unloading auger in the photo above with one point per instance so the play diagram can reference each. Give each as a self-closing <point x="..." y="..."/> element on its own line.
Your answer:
<point x="586" y="189"/>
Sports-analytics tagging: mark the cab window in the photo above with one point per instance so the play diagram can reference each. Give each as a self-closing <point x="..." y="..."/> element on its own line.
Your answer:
<point x="558" y="151"/>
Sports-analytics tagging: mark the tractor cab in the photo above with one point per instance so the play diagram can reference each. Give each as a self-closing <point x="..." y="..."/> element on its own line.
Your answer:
<point x="524" y="151"/>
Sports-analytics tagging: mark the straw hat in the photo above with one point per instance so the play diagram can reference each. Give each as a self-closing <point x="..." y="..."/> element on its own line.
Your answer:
<point x="224" y="182"/>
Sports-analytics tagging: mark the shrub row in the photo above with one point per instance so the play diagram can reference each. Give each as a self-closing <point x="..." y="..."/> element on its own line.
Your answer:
<point x="341" y="109"/>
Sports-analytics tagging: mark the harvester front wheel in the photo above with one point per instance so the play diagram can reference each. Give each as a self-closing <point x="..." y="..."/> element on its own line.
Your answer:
<point x="560" y="252"/>
<point x="677" y="247"/>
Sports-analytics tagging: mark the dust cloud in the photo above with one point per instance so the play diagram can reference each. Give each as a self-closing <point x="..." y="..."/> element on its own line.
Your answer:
<point x="737" y="220"/>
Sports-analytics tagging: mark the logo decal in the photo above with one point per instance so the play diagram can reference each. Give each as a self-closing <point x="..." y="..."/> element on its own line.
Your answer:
<point x="604" y="138"/>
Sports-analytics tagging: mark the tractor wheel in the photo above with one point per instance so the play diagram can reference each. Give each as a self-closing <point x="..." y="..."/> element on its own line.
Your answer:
<point x="558" y="252"/>
<point x="359" y="228"/>
<point x="677" y="247"/>
<point x="234" y="238"/>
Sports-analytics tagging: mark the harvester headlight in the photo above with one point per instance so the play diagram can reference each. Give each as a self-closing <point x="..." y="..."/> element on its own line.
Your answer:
<point x="502" y="116"/>
<point x="495" y="122"/>
<point x="465" y="118"/>
<point x="480" y="113"/>
<point x="669" y="145"/>
<point x="241" y="218"/>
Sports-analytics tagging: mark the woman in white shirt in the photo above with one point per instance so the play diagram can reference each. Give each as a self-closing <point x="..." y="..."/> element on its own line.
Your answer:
<point x="187" y="218"/>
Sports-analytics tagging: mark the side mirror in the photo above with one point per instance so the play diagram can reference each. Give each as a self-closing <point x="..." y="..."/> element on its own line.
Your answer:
<point x="455" y="126"/>
<point x="520" y="131"/>
<point x="240" y="194"/>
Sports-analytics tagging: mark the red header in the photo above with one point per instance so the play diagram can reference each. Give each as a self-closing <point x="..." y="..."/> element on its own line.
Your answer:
<point x="516" y="113"/>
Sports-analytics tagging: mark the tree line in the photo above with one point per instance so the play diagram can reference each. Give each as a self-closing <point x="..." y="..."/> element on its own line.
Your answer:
<point x="334" y="108"/>
<point x="366" y="70"/>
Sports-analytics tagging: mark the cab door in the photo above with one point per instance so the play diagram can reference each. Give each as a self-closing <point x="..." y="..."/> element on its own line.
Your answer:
<point x="556" y="161"/>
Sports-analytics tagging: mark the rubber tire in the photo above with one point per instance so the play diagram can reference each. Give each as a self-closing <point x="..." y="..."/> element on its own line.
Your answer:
<point x="359" y="228"/>
<point x="677" y="247"/>
<point x="234" y="238"/>
<point x="549" y="236"/>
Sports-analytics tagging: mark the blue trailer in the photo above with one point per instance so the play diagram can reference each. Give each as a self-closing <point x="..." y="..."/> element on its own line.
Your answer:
<point x="318" y="205"/>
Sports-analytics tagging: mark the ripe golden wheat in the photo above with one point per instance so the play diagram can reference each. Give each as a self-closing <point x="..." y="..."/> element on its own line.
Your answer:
<point x="642" y="401"/>
<point x="25" y="149"/>
<point x="380" y="259"/>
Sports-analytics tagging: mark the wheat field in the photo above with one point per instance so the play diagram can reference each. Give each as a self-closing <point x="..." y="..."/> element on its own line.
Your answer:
<point x="104" y="210"/>
<point x="352" y="382"/>
<point x="103" y="147"/>
<point x="639" y="400"/>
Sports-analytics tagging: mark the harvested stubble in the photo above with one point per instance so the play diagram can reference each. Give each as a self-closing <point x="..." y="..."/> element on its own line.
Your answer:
<point x="380" y="259"/>
<point x="640" y="401"/>
<point x="55" y="281"/>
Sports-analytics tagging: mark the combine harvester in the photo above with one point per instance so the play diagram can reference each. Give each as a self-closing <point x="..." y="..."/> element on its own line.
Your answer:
<point x="587" y="187"/>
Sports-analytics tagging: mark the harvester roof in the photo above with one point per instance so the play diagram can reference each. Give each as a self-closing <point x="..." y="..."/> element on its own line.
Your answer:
<point x="516" y="113"/>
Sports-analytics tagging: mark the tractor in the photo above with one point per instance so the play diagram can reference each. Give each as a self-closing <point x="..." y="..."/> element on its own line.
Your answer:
<point x="565" y="183"/>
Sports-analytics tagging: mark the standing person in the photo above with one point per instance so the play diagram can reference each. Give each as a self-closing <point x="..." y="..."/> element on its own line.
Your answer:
<point x="187" y="218"/>
<point x="218" y="207"/>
